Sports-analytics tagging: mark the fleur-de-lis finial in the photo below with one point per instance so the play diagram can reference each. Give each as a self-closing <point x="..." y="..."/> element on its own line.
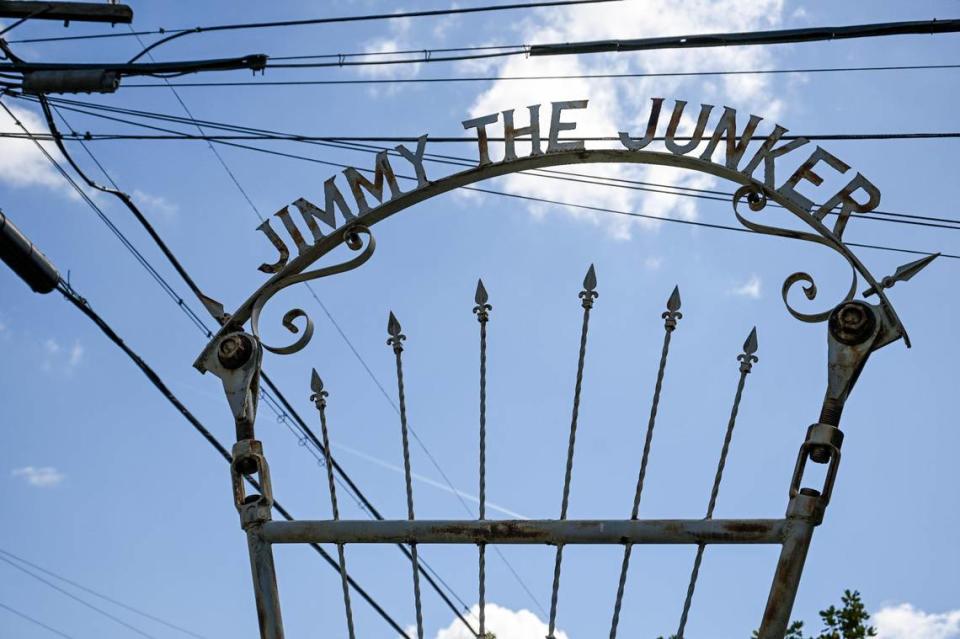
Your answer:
<point x="319" y="395"/>
<point x="396" y="337"/>
<point x="747" y="358"/>
<point x="482" y="309"/>
<point x="672" y="314"/>
<point x="589" y="293"/>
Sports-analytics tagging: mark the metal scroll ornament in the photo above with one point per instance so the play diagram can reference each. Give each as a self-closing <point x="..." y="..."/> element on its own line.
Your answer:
<point x="757" y="200"/>
<point x="357" y="238"/>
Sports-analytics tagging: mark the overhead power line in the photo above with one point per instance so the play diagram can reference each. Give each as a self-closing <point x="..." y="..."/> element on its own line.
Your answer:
<point x="537" y="78"/>
<point x="364" y="18"/>
<point x="34" y="621"/>
<point x="779" y="36"/>
<point x="90" y="591"/>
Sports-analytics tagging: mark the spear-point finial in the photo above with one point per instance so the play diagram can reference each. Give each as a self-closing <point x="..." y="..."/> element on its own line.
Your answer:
<point x="396" y="337"/>
<point x="903" y="273"/>
<point x="316" y="385"/>
<point x="672" y="314"/>
<point x="747" y="359"/>
<point x="482" y="309"/>
<point x="589" y="293"/>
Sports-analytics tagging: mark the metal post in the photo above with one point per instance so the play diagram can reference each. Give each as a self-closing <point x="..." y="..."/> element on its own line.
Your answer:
<point x="265" y="585"/>
<point x="255" y="511"/>
<point x="802" y="518"/>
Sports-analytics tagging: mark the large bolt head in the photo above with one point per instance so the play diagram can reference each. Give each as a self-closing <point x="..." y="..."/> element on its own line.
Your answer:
<point x="234" y="351"/>
<point x="852" y="322"/>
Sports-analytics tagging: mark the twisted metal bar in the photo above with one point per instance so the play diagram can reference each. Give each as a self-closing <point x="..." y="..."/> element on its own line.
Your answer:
<point x="747" y="359"/>
<point x="482" y="311"/>
<point x="396" y="341"/>
<point x="319" y="398"/>
<point x="587" y="296"/>
<point x="670" y="317"/>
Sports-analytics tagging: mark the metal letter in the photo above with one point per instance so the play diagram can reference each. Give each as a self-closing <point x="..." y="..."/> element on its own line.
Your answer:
<point x="556" y="126"/>
<point x="332" y="196"/>
<point x="382" y="171"/>
<point x="480" y="124"/>
<point x="697" y="136"/>
<point x="728" y="126"/>
<point x="416" y="159"/>
<point x="636" y="145"/>
<point x="277" y="244"/>
<point x="806" y="172"/>
<point x="284" y="215"/>
<point x="848" y="204"/>
<point x="510" y="133"/>
<point x="768" y="154"/>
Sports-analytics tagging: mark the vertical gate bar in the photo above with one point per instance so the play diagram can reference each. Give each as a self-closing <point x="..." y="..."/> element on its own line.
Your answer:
<point x="265" y="585"/>
<point x="670" y="317"/>
<point x="587" y="296"/>
<point x="786" y="580"/>
<point x="319" y="399"/>
<point x="482" y="311"/>
<point x="747" y="359"/>
<point x="396" y="341"/>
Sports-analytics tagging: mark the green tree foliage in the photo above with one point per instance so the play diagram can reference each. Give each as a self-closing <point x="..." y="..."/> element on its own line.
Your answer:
<point x="847" y="622"/>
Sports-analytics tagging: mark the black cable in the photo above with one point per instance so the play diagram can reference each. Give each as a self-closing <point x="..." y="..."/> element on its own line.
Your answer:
<point x="934" y="222"/>
<point x="80" y="303"/>
<point x="34" y="620"/>
<point x="528" y="78"/>
<point x="176" y="298"/>
<point x="83" y="602"/>
<point x="102" y="596"/>
<point x="748" y="38"/>
<point x="363" y="18"/>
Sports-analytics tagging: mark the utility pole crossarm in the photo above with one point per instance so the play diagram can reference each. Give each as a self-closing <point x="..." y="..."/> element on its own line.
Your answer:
<point x="67" y="11"/>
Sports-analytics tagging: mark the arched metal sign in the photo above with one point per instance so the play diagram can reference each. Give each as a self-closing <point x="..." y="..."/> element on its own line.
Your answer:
<point x="855" y="328"/>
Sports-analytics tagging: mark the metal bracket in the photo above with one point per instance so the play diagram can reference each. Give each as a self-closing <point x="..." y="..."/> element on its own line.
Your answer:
<point x="236" y="361"/>
<point x="248" y="460"/>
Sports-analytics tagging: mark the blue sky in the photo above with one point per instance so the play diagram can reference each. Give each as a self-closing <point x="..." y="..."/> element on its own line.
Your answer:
<point x="104" y="483"/>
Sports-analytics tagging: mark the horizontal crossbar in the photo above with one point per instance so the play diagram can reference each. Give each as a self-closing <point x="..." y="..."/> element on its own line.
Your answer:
<point x="550" y="532"/>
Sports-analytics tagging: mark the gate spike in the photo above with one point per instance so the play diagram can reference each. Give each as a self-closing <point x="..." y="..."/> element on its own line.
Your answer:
<point x="481" y="295"/>
<point x="670" y="316"/>
<point x="747" y="359"/>
<point x="590" y="279"/>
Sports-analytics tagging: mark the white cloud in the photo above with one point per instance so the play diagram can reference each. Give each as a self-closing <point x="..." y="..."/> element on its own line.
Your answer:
<point x="156" y="204"/>
<point x="504" y="623"/>
<point x="653" y="263"/>
<point x="21" y="162"/>
<point x="41" y="477"/>
<point x="623" y="104"/>
<point x="750" y="288"/>
<point x="906" y="622"/>
<point x="56" y="357"/>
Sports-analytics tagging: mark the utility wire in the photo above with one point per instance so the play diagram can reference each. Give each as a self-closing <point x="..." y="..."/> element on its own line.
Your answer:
<point x="67" y="593"/>
<point x="199" y="322"/>
<point x="887" y="216"/>
<point x="179" y="33"/>
<point x="102" y="596"/>
<point x="34" y="621"/>
<point x="530" y="78"/>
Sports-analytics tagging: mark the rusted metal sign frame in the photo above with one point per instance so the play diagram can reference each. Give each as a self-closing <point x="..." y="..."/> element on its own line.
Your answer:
<point x="855" y="330"/>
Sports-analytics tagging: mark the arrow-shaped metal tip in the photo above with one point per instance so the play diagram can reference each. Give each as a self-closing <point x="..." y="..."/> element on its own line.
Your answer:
<point x="590" y="281"/>
<point x="393" y="326"/>
<point x="750" y="346"/>
<point x="316" y="384"/>
<point x="673" y="304"/>
<point x="903" y="273"/>
<point x="481" y="296"/>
